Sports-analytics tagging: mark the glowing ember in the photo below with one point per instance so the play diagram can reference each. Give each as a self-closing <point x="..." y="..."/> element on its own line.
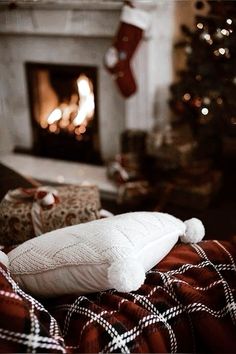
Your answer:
<point x="75" y="113"/>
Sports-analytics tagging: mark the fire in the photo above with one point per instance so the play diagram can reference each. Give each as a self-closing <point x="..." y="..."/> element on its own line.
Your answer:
<point x="73" y="116"/>
<point x="86" y="103"/>
<point x="54" y="116"/>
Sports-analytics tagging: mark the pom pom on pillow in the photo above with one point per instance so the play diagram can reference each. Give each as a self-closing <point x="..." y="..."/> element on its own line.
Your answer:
<point x="126" y="275"/>
<point x="195" y="231"/>
<point x="114" y="252"/>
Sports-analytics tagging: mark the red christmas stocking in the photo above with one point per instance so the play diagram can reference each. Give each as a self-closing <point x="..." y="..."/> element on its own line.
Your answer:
<point x="118" y="57"/>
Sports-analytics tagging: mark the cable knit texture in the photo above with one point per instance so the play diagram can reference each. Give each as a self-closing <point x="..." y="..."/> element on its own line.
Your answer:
<point x="76" y="259"/>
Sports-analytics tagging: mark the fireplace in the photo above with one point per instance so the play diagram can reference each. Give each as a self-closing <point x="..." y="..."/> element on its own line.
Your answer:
<point x="63" y="109"/>
<point x="77" y="34"/>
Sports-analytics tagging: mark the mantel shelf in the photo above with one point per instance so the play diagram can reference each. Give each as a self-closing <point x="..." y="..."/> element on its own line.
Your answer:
<point x="64" y="4"/>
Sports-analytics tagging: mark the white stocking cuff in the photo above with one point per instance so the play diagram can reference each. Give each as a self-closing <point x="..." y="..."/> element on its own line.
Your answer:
<point x="136" y="17"/>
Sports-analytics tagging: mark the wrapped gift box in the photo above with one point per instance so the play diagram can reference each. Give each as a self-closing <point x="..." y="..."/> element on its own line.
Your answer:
<point x="133" y="141"/>
<point x="192" y="191"/>
<point x="134" y="193"/>
<point x="170" y="157"/>
<point x="197" y="195"/>
<point x="172" y="149"/>
<point x="125" y="168"/>
<point x="25" y="213"/>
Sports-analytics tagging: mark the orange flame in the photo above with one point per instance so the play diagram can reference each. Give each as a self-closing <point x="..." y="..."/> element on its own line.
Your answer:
<point x="77" y="113"/>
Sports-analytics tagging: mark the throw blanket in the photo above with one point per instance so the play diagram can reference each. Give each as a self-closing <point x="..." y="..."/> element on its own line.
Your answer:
<point x="187" y="304"/>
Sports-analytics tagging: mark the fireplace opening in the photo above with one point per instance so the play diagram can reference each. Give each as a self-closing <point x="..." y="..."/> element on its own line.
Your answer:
<point x="63" y="107"/>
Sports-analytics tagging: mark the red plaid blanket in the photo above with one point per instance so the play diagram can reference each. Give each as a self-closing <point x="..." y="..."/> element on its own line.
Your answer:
<point x="25" y="325"/>
<point x="187" y="304"/>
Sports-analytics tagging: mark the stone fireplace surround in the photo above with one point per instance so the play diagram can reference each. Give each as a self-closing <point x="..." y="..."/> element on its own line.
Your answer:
<point x="79" y="32"/>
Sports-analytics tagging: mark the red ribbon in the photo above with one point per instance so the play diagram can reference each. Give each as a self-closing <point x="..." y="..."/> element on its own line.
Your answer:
<point x="42" y="197"/>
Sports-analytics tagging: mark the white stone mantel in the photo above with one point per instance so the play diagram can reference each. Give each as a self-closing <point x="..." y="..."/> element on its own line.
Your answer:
<point x="88" y="18"/>
<point x="72" y="4"/>
<point x="65" y="4"/>
<point x="46" y="18"/>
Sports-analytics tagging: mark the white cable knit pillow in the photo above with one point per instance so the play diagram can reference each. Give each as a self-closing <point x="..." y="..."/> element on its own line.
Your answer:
<point x="99" y="255"/>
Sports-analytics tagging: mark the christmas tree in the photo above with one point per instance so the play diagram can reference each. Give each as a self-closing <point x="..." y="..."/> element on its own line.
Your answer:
<point x="205" y="94"/>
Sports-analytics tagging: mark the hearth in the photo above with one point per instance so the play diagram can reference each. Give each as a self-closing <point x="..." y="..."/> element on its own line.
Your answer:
<point x="63" y="107"/>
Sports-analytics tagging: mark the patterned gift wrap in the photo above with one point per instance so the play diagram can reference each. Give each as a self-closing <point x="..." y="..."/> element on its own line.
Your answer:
<point x="25" y="213"/>
<point x="134" y="193"/>
<point x="170" y="157"/>
<point x="195" y="192"/>
<point x="125" y="168"/>
<point x="172" y="148"/>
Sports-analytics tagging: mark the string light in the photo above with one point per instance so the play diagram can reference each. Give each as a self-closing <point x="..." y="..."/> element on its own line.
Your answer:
<point x="229" y="21"/>
<point x="206" y="100"/>
<point x="225" y="32"/>
<point x="222" y="51"/>
<point x="207" y="37"/>
<point x="205" y="111"/>
<point x="200" y="25"/>
<point x="186" y="96"/>
<point x="222" y="32"/>
<point x="219" y="101"/>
